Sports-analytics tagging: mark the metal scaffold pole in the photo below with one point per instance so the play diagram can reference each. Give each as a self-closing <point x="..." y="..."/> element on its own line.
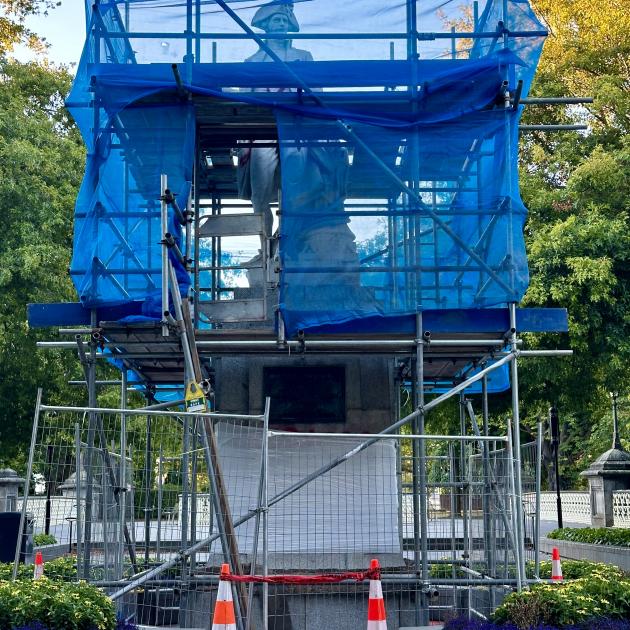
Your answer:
<point x="122" y="471"/>
<point x="78" y="468"/>
<point x="514" y="508"/>
<point x="147" y="491"/>
<point x="165" y="264"/>
<point x="520" y="539"/>
<point x="463" y="477"/>
<point x="488" y="502"/>
<point x="27" y="482"/>
<point x="265" y="515"/>
<point x="219" y="491"/>
<point x="90" y="377"/>
<point x="539" y="445"/>
<point x="420" y="473"/>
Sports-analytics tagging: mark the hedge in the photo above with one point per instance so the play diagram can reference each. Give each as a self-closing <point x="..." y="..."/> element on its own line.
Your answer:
<point x="41" y="540"/>
<point x="571" y="569"/>
<point x="593" y="535"/>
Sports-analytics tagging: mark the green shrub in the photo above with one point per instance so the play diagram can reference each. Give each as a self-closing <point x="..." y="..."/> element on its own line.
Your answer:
<point x="575" y="569"/>
<point x="445" y="571"/>
<point x="41" y="540"/>
<point x="571" y="569"/>
<point x="57" y="570"/>
<point x="594" y="535"/>
<point x="568" y="602"/>
<point x="58" y="606"/>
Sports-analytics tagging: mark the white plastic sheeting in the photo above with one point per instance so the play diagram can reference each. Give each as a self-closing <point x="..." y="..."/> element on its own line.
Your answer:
<point x="351" y="509"/>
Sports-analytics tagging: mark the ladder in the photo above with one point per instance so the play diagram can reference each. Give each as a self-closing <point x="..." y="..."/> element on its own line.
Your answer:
<point x="232" y="304"/>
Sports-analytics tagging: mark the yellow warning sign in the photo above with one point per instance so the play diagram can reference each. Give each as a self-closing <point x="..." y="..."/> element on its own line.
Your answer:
<point x="195" y="400"/>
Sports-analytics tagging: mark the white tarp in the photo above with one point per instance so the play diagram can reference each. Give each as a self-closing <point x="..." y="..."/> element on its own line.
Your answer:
<point x="352" y="509"/>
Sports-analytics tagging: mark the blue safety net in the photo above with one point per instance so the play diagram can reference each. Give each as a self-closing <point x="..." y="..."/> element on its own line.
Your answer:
<point x="397" y="147"/>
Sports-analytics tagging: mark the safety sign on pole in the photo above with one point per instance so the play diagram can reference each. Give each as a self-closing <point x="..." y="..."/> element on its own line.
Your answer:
<point x="194" y="397"/>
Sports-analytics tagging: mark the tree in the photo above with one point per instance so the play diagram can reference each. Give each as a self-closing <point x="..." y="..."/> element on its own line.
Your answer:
<point x="13" y="31"/>
<point x="41" y="163"/>
<point x="576" y="186"/>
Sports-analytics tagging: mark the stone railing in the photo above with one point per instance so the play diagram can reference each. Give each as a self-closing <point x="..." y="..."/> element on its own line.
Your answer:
<point x="621" y="508"/>
<point x="576" y="506"/>
<point x="61" y="509"/>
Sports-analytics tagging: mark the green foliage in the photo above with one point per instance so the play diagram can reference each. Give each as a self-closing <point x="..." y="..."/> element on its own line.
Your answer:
<point x="59" y="606"/>
<point x="576" y="569"/>
<point x="445" y="571"/>
<point x="12" y="28"/>
<point x="594" y="590"/>
<point x="567" y="603"/>
<point x="41" y="540"/>
<point x="571" y="569"/>
<point x="41" y="163"/>
<point x="57" y="570"/>
<point x="594" y="535"/>
<point x="577" y="189"/>
<point x="170" y="495"/>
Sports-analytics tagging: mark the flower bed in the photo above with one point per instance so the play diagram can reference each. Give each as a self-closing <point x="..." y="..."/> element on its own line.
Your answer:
<point x="569" y="603"/>
<point x="593" y="624"/>
<point x="596" y="596"/>
<point x="57" y="570"/>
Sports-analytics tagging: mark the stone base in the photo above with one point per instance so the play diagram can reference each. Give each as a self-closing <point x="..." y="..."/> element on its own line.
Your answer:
<point x="324" y="608"/>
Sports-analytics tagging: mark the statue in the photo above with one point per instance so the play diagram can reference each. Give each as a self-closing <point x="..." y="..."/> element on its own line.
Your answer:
<point x="315" y="181"/>
<point x="259" y="174"/>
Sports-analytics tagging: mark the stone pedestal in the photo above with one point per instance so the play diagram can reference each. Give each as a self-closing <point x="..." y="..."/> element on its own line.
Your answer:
<point x="9" y="488"/>
<point x="609" y="472"/>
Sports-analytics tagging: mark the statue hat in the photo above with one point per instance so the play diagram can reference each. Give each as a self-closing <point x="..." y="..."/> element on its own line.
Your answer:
<point x="267" y="10"/>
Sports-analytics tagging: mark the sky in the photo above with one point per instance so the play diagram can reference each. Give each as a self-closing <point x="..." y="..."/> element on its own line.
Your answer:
<point x="64" y="30"/>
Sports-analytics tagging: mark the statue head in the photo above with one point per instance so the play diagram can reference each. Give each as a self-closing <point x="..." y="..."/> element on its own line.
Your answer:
<point x="276" y="17"/>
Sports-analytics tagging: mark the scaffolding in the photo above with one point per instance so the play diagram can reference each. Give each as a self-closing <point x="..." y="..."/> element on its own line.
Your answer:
<point x="397" y="235"/>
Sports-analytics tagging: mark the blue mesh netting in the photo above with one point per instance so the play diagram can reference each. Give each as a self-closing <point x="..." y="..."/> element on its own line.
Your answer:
<point x="398" y="170"/>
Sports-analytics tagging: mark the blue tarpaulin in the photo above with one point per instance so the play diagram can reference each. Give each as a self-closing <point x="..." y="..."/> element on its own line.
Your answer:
<point x="397" y="148"/>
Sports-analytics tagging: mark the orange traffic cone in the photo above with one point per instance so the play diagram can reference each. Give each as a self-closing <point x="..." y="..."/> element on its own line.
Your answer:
<point x="38" y="568"/>
<point x="376" y="605"/>
<point x="556" y="568"/>
<point x="224" y="618"/>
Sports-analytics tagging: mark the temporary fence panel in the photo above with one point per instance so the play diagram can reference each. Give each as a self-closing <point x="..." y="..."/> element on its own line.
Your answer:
<point x="315" y="504"/>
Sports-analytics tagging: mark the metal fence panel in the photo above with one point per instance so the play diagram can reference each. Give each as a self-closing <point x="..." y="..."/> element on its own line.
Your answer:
<point x="149" y="532"/>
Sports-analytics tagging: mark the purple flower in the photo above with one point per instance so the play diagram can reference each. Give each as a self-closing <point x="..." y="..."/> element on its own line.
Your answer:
<point x="462" y="623"/>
